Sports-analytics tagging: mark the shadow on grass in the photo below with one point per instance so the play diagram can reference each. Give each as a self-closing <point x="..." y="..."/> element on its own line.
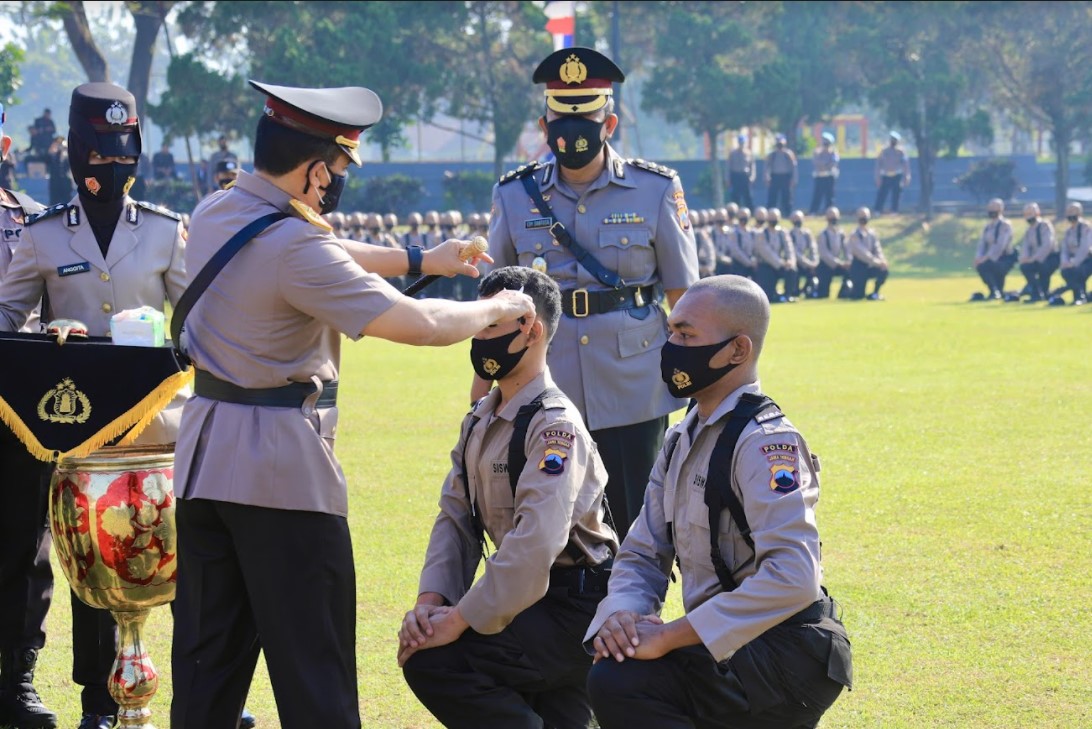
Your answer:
<point x="940" y="249"/>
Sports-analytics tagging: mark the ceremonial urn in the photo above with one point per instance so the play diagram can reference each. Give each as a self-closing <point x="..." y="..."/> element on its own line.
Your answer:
<point x="112" y="516"/>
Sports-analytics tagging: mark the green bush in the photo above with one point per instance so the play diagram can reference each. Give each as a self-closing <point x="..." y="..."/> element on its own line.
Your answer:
<point x="990" y="178"/>
<point x="398" y="194"/>
<point x="468" y="190"/>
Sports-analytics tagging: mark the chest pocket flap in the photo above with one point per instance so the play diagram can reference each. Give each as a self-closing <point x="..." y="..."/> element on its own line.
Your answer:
<point x="624" y="238"/>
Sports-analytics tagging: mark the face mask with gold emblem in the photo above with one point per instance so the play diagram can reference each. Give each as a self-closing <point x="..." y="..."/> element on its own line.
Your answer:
<point x="575" y="141"/>
<point x="686" y="370"/>
<point x="491" y="358"/>
<point x="109" y="181"/>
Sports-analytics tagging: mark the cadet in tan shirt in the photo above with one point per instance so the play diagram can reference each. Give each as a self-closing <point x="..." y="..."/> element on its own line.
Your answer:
<point x="807" y="257"/>
<point x="867" y="260"/>
<point x="1076" y="256"/>
<point x="992" y="257"/>
<point x="833" y="257"/>
<point x="760" y="644"/>
<point x="1039" y="257"/>
<point x="500" y="651"/>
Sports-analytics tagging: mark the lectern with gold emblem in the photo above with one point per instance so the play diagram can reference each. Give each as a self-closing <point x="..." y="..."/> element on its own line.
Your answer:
<point x="111" y="510"/>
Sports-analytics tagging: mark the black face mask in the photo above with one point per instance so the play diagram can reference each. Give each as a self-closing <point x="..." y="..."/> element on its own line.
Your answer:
<point x="1031" y="221"/>
<point x="575" y="141"/>
<point x="742" y="222"/>
<point x="797" y="223"/>
<point x="224" y="183"/>
<point x="491" y="358"/>
<point x="331" y="194"/>
<point x="686" y="370"/>
<point x="992" y="215"/>
<point x="832" y="221"/>
<point x="862" y="221"/>
<point x="110" y="181"/>
<point x="771" y="223"/>
<point x="1072" y="218"/>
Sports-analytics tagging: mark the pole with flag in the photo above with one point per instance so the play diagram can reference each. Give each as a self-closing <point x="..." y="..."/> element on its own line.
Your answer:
<point x="562" y="22"/>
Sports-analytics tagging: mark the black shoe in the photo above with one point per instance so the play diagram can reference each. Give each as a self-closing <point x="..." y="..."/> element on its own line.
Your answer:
<point x="20" y="704"/>
<point x="1056" y="301"/>
<point x="978" y="296"/>
<point x="247" y="721"/>
<point x="97" y="721"/>
<point x="1011" y="298"/>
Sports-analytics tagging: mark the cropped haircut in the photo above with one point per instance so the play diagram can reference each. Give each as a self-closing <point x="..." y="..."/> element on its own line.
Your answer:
<point x="278" y="150"/>
<point x="541" y="288"/>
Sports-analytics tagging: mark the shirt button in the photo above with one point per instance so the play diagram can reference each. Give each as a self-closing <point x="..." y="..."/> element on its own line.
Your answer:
<point x="624" y="241"/>
<point x="584" y="339"/>
<point x="104" y="276"/>
<point x="644" y="343"/>
<point x="107" y="308"/>
<point x="581" y="209"/>
<point x="538" y="246"/>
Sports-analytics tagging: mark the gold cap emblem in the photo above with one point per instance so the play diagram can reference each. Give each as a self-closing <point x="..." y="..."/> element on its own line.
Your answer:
<point x="581" y="144"/>
<point x="64" y="404"/>
<point x="573" y="71"/>
<point x="681" y="380"/>
<point x="490" y="365"/>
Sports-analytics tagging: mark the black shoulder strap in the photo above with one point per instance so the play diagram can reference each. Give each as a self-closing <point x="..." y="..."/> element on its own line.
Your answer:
<point x="604" y="275"/>
<point x="719" y="494"/>
<point x="517" y="447"/>
<point x="202" y="280"/>
<point x="475" y="518"/>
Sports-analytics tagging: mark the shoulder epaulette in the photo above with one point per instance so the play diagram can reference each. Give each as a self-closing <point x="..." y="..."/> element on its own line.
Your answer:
<point x="47" y="213"/>
<point x="159" y="209"/>
<point x="519" y="172"/>
<point x="554" y="400"/>
<point x="653" y="167"/>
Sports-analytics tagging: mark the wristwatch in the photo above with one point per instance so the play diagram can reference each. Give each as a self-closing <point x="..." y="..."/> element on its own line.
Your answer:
<point x="416" y="256"/>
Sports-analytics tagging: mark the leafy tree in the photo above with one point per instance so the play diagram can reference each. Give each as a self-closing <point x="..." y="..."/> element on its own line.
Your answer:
<point x="11" y="56"/>
<point x="1044" y="74"/>
<point x="703" y="73"/>
<point x="495" y="57"/>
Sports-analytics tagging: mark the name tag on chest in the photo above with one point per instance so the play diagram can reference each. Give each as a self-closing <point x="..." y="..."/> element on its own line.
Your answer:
<point x="73" y="268"/>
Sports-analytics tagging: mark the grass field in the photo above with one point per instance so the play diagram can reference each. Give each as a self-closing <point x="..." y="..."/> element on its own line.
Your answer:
<point x="956" y="514"/>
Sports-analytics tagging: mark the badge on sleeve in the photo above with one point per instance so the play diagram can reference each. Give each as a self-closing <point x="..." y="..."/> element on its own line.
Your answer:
<point x="681" y="211"/>
<point x="784" y="478"/>
<point x="553" y="462"/>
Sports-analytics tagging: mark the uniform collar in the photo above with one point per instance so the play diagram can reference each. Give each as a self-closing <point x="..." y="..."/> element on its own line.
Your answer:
<point x="726" y="405"/>
<point x="8" y="200"/>
<point x="265" y="190"/>
<point x="528" y="393"/>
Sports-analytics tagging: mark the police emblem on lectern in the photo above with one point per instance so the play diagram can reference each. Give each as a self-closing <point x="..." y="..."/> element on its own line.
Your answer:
<point x="64" y="404"/>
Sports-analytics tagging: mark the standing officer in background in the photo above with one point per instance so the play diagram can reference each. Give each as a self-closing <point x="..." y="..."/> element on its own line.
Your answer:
<point x="1039" y="257"/>
<point x="892" y="174"/>
<point x="781" y="169"/>
<point x="833" y="258"/>
<point x="256" y="476"/>
<point x="807" y="257"/>
<point x="1076" y="263"/>
<point x="825" y="171"/>
<point x="616" y="236"/>
<point x="741" y="173"/>
<point x="760" y="644"/>
<point x="227" y="172"/>
<point x="776" y="260"/>
<point x="992" y="256"/>
<point x="26" y="581"/>
<point x="500" y="651"/>
<point x="868" y="261"/>
<point x="101" y="253"/>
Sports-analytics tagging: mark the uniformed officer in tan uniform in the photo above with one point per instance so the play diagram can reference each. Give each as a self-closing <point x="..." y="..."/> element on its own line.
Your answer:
<point x="1076" y="261"/>
<point x="867" y="260"/>
<point x="500" y="651"/>
<point x="760" y="644"/>
<point x="807" y="257"/>
<point x="635" y="242"/>
<point x="824" y="162"/>
<point x="99" y="254"/>
<point x="892" y="174"/>
<point x="741" y="173"/>
<point x="707" y="250"/>
<point x="834" y="257"/>
<point x="781" y="176"/>
<point x="723" y="229"/>
<point x="741" y="246"/>
<point x="265" y="558"/>
<point x="776" y="260"/>
<point x="1039" y="256"/>
<point x="26" y="582"/>
<point x="993" y="253"/>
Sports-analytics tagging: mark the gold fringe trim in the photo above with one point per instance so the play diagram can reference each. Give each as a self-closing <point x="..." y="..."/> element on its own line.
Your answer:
<point x="134" y="420"/>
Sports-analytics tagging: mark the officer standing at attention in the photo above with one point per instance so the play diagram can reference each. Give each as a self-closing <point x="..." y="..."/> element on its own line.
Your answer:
<point x="825" y="171"/>
<point x="776" y="260"/>
<point x="255" y="472"/>
<point x="1076" y="263"/>
<point x="868" y="261"/>
<point x="807" y="257"/>
<point x="500" y="651"/>
<point x="101" y="253"/>
<point x="1039" y="257"/>
<point x="741" y="173"/>
<point x="993" y="252"/>
<point x="760" y="644"/>
<point x="833" y="257"/>
<point x="26" y="581"/>
<point x="781" y="169"/>
<point x="892" y="174"/>
<point x="616" y="236"/>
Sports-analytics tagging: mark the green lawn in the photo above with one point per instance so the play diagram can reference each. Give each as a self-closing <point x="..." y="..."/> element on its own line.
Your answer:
<point x="956" y="515"/>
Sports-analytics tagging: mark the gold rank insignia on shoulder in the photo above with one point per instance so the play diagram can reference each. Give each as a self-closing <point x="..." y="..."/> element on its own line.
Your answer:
<point x="573" y="71"/>
<point x="623" y="219"/>
<point x="64" y="404"/>
<point x="308" y="213"/>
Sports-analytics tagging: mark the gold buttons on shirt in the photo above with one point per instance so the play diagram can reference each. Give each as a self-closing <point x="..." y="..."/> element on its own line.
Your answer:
<point x="538" y="246"/>
<point x="624" y="241"/>
<point x="644" y="343"/>
<point x="104" y="276"/>
<point x="107" y="308"/>
<point x="581" y="209"/>
<point x="584" y="339"/>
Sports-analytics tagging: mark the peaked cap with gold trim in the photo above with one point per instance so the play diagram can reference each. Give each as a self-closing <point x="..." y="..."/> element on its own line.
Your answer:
<point x="578" y="80"/>
<point x="339" y="114"/>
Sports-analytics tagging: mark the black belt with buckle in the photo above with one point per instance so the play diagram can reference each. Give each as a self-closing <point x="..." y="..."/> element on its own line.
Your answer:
<point x="583" y="580"/>
<point x="289" y="396"/>
<point x="581" y="302"/>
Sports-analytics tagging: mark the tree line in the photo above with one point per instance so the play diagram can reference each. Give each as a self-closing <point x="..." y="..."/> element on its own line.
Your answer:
<point x="937" y="70"/>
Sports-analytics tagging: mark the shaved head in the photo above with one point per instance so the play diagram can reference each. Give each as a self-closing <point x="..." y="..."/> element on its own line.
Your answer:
<point x="734" y="304"/>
